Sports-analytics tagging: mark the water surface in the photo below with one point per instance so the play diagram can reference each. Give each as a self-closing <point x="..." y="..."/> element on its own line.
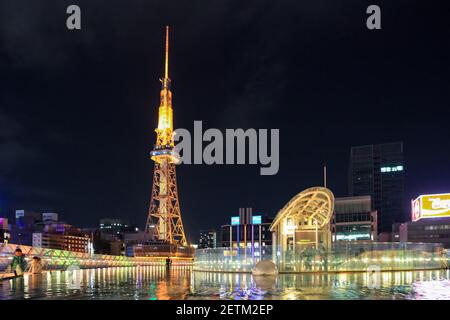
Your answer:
<point x="154" y="283"/>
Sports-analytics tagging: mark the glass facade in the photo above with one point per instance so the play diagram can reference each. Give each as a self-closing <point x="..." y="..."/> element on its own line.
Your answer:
<point x="350" y="256"/>
<point x="227" y="260"/>
<point x="353" y="232"/>
<point x="353" y="217"/>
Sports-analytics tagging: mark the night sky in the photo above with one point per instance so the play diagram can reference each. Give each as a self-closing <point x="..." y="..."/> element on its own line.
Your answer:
<point x="78" y="108"/>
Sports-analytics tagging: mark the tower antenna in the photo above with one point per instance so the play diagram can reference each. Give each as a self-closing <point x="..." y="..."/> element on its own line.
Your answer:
<point x="166" y="65"/>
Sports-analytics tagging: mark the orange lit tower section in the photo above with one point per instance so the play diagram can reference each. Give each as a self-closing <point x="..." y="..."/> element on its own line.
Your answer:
<point x="164" y="213"/>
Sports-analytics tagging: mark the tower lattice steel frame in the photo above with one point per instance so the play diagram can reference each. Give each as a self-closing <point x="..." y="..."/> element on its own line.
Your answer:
<point x="164" y="213"/>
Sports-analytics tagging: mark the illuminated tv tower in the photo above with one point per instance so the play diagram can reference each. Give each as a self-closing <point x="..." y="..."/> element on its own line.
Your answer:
<point x="164" y="212"/>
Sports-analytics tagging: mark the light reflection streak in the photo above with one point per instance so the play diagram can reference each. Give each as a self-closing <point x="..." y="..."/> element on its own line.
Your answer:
<point x="155" y="282"/>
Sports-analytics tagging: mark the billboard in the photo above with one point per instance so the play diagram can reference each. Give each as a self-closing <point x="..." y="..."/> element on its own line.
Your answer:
<point x="235" y="221"/>
<point x="256" y="220"/>
<point x="431" y="206"/>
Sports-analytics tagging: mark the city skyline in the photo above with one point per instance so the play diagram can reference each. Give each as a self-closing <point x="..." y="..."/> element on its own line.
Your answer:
<point x="224" y="155"/>
<point x="76" y="140"/>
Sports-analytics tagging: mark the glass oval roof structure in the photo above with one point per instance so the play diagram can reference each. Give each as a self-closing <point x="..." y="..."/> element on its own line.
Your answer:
<point x="313" y="205"/>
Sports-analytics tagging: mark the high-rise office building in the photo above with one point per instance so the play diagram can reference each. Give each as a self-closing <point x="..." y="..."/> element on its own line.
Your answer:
<point x="115" y="227"/>
<point x="377" y="170"/>
<point x="208" y="239"/>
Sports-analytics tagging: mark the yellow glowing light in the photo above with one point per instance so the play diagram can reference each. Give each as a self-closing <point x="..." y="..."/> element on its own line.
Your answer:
<point x="165" y="117"/>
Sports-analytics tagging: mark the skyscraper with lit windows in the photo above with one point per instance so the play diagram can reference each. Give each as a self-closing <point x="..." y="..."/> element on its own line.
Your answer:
<point x="378" y="171"/>
<point x="208" y="239"/>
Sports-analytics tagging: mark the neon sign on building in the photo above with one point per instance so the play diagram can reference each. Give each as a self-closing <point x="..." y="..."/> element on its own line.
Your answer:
<point x="430" y="206"/>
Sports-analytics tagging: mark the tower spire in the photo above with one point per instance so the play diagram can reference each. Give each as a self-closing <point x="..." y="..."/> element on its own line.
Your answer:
<point x="166" y="80"/>
<point x="166" y="66"/>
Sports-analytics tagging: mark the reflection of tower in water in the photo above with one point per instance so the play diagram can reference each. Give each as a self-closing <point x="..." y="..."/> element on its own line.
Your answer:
<point x="175" y="283"/>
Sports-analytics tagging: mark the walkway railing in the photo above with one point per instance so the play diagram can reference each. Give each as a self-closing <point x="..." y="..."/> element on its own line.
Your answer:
<point x="61" y="259"/>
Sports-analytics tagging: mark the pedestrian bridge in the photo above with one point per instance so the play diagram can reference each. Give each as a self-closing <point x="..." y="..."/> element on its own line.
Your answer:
<point x="54" y="259"/>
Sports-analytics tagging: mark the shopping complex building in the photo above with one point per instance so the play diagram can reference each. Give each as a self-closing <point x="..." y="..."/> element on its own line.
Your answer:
<point x="430" y="220"/>
<point x="247" y="230"/>
<point x="304" y="221"/>
<point x="314" y="232"/>
<point x="354" y="220"/>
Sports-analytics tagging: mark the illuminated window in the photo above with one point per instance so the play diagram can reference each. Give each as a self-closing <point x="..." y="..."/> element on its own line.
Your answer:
<point x="391" y="169"/>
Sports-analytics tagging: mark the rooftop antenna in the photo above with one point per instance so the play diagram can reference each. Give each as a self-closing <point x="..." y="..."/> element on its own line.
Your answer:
<point x="166" y="80"/>
<point x="325" y="175"/>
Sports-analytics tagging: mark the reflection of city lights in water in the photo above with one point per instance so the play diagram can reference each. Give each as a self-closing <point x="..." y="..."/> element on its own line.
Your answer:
<point x="155" y="283"/>
<point x="58" y="277"/>
<point x="431" y="290"/>
<point x="49" y="279"/>
<point x="25" y="282"/>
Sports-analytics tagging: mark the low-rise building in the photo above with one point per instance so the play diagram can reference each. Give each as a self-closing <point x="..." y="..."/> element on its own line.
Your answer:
<point x="26" y="219"/>
<point x="110" y="237"/>
<point x="430" y="215"/>
<point x="22" y="230"/>
<point x="63" y="237"/>
<point x="49" y="217"/>
<point x="4" y="231"/>
<point x="426" y="231"/>
<point x="354" y="219"/>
